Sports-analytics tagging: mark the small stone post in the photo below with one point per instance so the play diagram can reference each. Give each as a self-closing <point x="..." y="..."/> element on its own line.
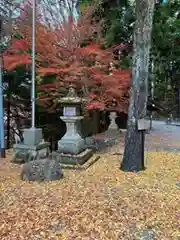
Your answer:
<point x="113" y="124"/>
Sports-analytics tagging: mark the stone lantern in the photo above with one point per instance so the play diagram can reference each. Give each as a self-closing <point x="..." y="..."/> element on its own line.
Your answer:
<point x="113" y="125"/>
<point x="72" y="147"/>
<point x="113" y="116"/>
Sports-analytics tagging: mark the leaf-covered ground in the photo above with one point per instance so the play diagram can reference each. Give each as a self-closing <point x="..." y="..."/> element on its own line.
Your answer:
<point x="99" y="203"/>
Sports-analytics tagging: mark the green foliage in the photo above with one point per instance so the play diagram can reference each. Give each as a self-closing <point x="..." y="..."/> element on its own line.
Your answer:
<point x="84" y="4"/>
<point x="18" y="83"/>
<point x="165" y="54"/>
<point x="166" y="51"/>
<point x="119" y="25"/>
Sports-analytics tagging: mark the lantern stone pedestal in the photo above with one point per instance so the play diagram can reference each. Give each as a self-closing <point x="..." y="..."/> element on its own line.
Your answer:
<point x="72" y="147"/>
<point x="32" y="148"/>
<point x="72" y="142"/>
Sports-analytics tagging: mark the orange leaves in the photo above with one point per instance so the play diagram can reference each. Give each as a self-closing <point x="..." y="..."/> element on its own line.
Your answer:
<point x="20" y="45"/>
<point x="113" y="86"/>
<point x="90" y="49"/>
<point x="124" y="75"/>
<point x="48" y="71"/>
<point x="47" y="87"/>
<point x="68" y="72"/>
<point x="17" y="54"/>
<point x="120" y="78"/>
<point x="99" y="55"/>
<point x="95" y="105"/>
<point x="11" y="62"/>
<point x="92" y="96"/>
<point x="59" y="53"/>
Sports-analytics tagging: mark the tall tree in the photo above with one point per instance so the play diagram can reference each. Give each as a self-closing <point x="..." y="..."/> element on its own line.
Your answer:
<point x="133" y="159"/>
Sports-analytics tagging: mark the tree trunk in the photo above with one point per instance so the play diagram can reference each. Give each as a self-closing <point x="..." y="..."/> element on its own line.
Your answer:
<point x="133" y="159"/>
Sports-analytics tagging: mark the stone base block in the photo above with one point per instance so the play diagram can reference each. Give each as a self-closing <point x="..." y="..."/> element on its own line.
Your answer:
<point x="25" y="153"/>
<point x="83" y="167"/>
<point x="71" y="146"/>
<point x="70" y="159"/>
<point x="32" y="136"/>
<point x="41" y="170"/>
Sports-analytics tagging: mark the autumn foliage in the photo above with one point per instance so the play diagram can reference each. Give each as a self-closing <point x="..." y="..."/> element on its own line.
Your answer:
<point x="71" y="53"/>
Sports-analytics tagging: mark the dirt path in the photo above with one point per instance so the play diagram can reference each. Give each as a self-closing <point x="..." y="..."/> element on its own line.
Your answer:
<point x="163" y="138"/>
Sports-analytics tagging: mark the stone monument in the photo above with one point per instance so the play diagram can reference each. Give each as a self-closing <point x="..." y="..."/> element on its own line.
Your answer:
<point x="113" y="115"/>
<point x="113" y="124"/>
<point x="41" y="170"/>
<point x="32" y="147"/>
<point x="72" y="148"/>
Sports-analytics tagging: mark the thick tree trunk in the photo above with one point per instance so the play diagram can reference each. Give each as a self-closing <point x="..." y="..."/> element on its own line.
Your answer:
<point x="133" y="159"/>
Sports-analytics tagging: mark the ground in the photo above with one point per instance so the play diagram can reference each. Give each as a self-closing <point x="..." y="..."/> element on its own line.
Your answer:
<point x="100" y="203"/>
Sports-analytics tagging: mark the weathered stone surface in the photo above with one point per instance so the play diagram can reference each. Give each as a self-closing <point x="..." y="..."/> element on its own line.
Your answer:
<point x="32" y="136"/>
<point x="113" y="124"/>
<point x="41" y="170"/>
<point x="73" y="159"/>
<point x="71" y="146"/>
<point x="71" y="142"/>
<point x="25" y="153"/>
<point x="145" y="235"/>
